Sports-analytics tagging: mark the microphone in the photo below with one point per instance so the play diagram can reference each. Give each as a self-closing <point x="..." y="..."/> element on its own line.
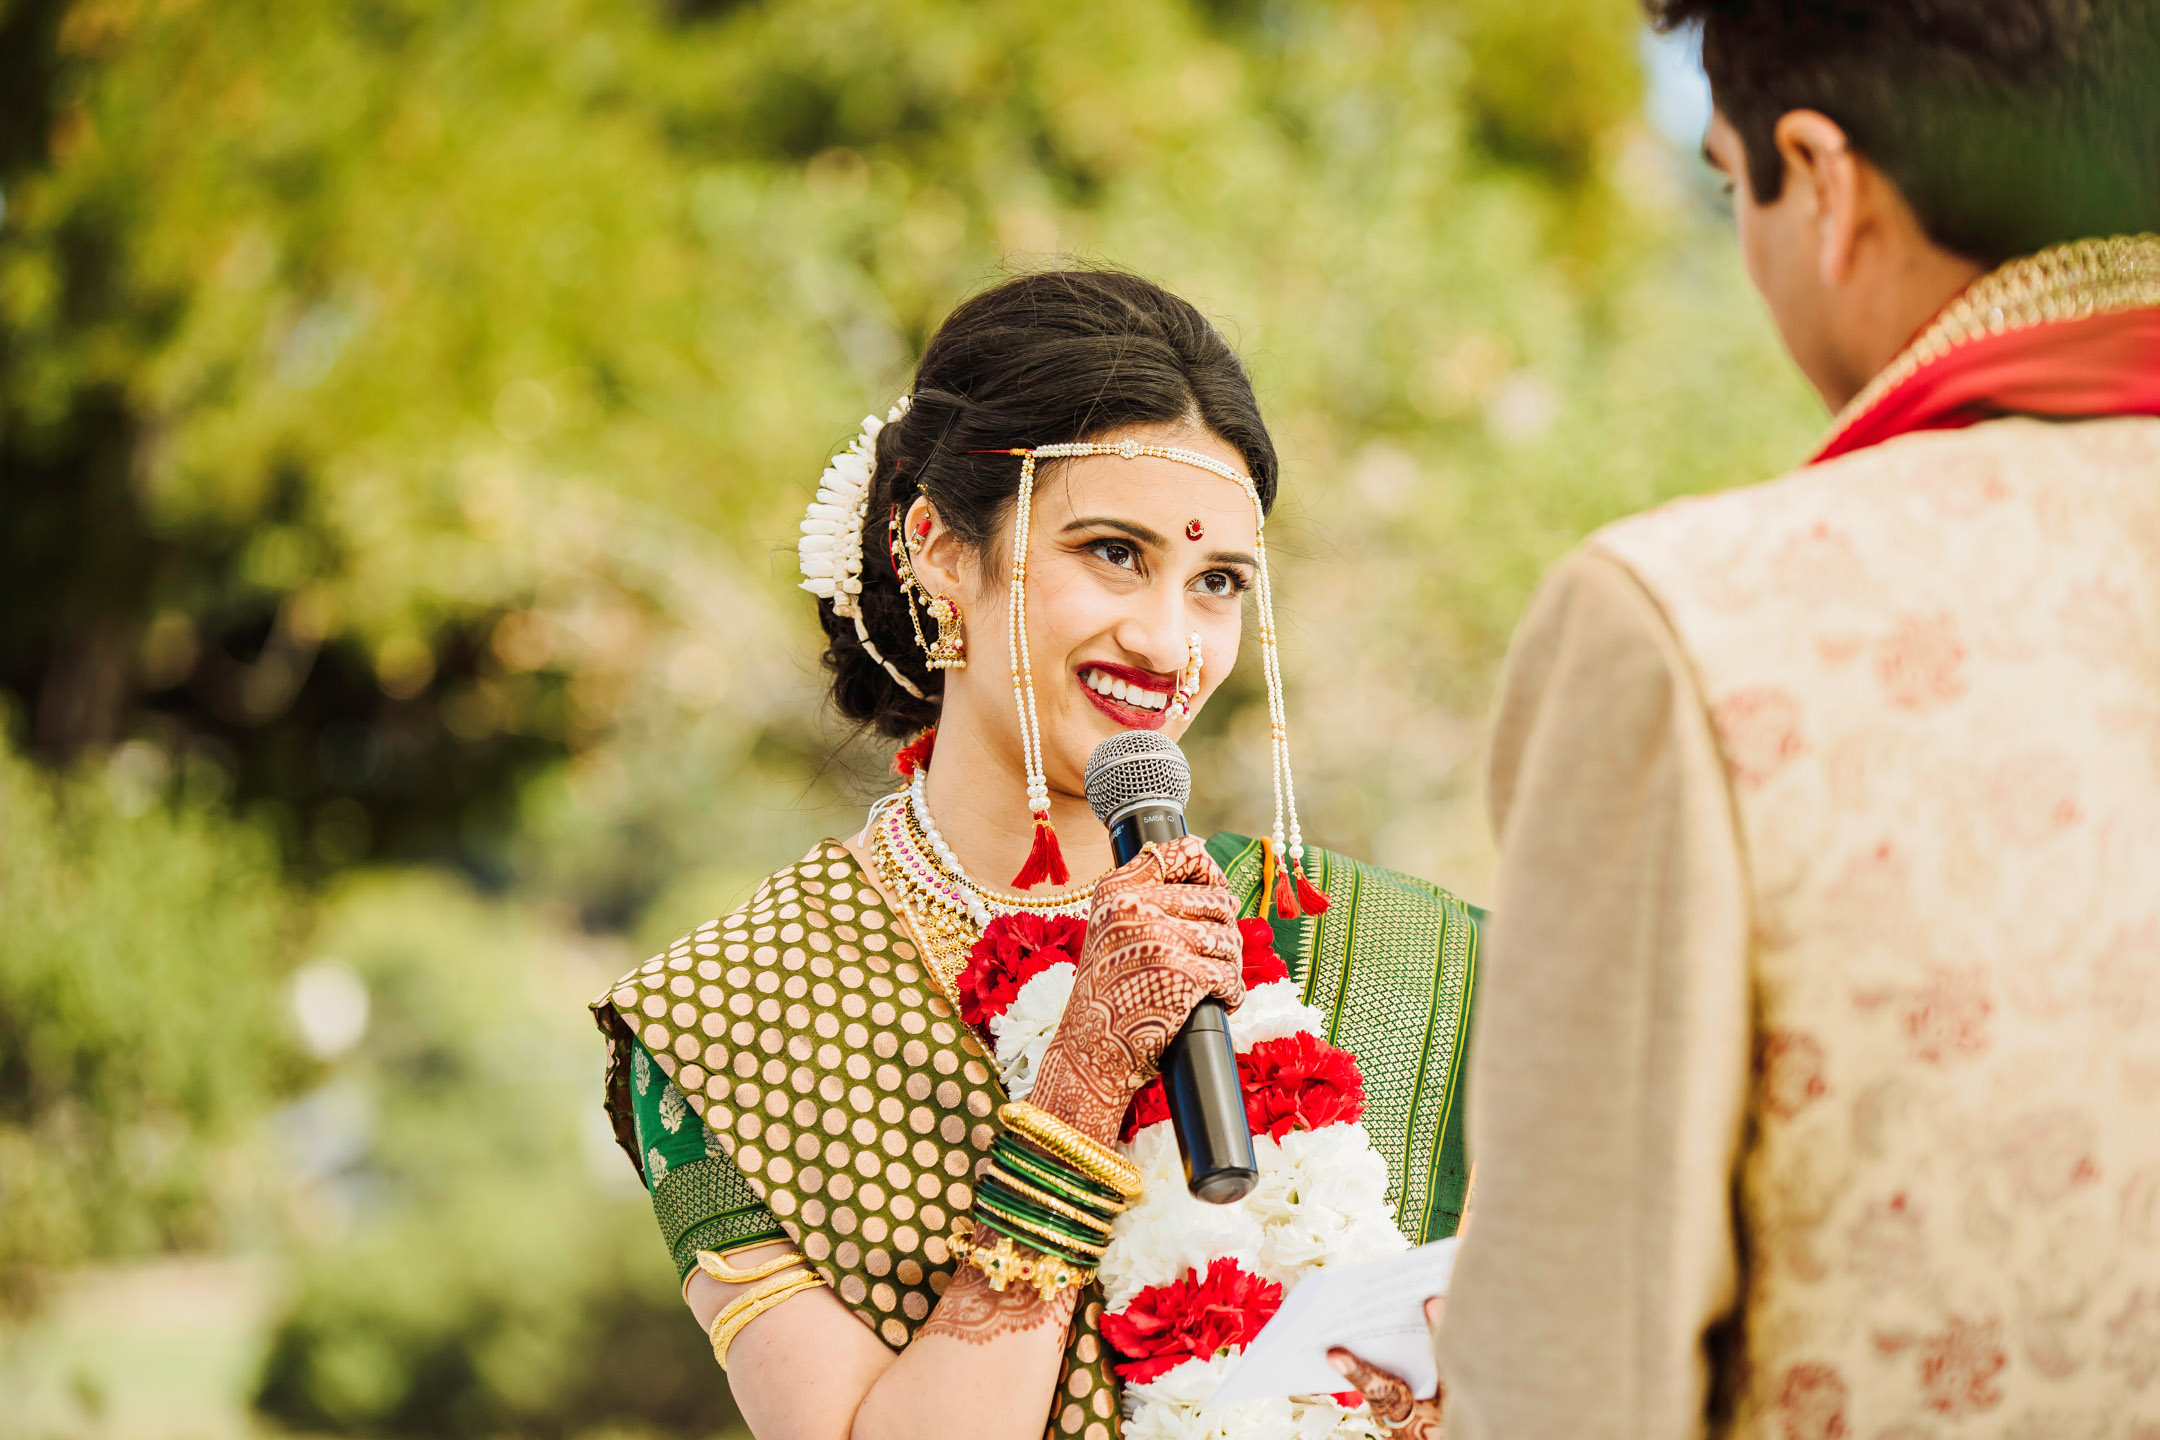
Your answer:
<point x="1137" y="784"/>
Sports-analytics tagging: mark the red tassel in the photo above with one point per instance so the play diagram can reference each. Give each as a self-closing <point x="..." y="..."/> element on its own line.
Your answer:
<point x="1309" y="899"/>
<point x="1045" y="861"/>
<point x="1285" y="896"/>
<point x="915" y="754"/>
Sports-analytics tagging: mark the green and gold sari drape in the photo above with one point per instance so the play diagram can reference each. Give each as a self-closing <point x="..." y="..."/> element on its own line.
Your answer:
<point x="793" y="1072"/>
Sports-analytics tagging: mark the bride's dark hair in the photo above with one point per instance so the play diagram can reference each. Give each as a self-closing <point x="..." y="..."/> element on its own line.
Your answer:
<point x="1064" y="355"/>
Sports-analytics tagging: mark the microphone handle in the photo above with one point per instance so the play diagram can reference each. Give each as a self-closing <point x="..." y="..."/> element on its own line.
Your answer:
<point x="1199" y="1067"/>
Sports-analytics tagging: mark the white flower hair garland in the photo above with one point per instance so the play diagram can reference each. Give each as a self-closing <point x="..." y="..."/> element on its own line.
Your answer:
<point x="830" y="550"/>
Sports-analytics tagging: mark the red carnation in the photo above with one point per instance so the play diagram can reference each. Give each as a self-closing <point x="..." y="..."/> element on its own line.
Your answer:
<point x="1150" y="1103"/>
<point x="1014" y="949"/>
<point x="1262" y="965"/>
<point x="1165" y="1325"/>
<point x="1299" y="1082"/>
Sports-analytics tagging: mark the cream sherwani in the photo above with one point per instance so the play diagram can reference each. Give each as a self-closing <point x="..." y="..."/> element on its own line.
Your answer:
<point x="1817" y="1076"/>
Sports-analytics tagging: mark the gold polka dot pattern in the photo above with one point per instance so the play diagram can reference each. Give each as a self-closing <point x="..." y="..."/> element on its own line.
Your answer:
<point x="807" y="1032"/>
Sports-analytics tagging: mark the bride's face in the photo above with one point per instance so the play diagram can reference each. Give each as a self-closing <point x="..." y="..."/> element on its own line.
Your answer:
<point x="1126" y="560"/>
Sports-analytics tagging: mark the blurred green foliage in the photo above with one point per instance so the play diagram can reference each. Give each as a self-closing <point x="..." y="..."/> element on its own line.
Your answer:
<point x="142" y="944"/>
<point x="461" y="1272"/>
<point x="405" y="410"/>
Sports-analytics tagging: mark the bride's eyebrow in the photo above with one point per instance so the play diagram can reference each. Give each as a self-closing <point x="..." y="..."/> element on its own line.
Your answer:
<point x="1140" y="533"/>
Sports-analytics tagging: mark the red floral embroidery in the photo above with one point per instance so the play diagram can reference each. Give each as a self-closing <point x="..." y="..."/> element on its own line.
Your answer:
<point x="1759" y="731"/>
<point x="2049" y="1153"/>
<point x="1958" y="1368"/>
<point x="1791" y="1065"/>
<point x="1946" y="1019"/>
<point x="1886" y="1243"/>
<point x="1918" y="663"/>
<point x="1299" y="1082"/>
<point x="1819" y="565"/>
<point x="1262" y="965"/>
<point x="1014" y="949"/>
<point x="1811" y="1403"/>
<point x="1194" y="1317"/>
<point x="2134" y="1339"/>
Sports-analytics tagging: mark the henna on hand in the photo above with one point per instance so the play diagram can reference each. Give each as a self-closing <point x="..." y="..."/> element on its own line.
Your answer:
<point x="1394" y="1408"/>
<point x="1161" y="936"/>
<point x="974" y="1314"/>
<point x="1398" y="1412"/>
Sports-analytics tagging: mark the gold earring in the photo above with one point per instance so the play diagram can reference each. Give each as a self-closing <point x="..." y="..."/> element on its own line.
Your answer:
<point x="949" y="650"/>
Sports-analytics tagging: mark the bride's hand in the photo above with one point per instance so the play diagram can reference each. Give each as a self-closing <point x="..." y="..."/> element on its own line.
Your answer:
<point x="1161" y="936"/>
<point x="1399" y="1414"/>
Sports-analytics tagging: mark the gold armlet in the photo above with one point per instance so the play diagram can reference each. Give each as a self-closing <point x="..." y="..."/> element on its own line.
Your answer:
<point x="1006" y="1264"/>
<point x="739" y="1312"/>
<point x="1093" y="1158"/>
<point x="717" y="1266"/>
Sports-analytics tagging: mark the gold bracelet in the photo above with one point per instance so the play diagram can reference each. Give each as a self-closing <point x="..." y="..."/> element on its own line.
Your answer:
<point x="740" y="1312"/>
<point x="716" y="1265"/>
<point x="1004" y="1264"/>
<point x="1094" y="1159"/>
<point x="1044" y="1198"/>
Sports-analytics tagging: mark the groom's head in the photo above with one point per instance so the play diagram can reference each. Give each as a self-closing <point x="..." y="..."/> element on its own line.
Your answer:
<point x="1885" y="152"/>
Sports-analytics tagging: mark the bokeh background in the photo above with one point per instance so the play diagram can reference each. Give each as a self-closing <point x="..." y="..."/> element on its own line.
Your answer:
<point x="405" y="410"/>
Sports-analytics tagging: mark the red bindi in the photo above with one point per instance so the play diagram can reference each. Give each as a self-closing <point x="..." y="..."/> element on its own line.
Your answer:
<point x="1193" y="530"/>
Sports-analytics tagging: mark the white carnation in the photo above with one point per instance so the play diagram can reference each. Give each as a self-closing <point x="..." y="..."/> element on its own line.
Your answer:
<point x="1173" y="1407"/>
<point x="1167" y="1232"/>
<point x="1322" y="1199"/>
<point x="1023" y="1032"/>
<point x="1272" y="1012"/>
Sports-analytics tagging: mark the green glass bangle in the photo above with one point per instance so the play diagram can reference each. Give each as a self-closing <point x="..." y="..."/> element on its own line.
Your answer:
<point x="1006" y="1200"/>
<point x="989" y="1221"/>
<point x="1072" y="1174"/>
<point x="1057" y="1178"/>
<point x="1009" y="1201"/>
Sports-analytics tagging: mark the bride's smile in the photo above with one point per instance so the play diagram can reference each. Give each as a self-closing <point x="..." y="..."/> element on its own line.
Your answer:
<point x="1136" y="699"/>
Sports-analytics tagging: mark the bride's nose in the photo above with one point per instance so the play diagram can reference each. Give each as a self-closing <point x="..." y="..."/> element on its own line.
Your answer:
<point x="1154" y="632"/>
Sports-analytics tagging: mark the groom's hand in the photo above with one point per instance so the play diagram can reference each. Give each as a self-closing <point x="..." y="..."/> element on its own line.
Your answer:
<point x="1397" y="1412"/>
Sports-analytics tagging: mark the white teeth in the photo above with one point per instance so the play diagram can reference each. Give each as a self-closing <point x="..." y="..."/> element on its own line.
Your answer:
<point x="1136" y="696"/>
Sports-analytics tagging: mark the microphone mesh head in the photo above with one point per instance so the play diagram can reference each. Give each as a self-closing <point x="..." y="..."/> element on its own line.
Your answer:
<point x="1136" y="766"/>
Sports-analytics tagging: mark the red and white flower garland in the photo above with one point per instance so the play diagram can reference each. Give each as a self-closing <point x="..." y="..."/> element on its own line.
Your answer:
<point x="1187" y="1284"/>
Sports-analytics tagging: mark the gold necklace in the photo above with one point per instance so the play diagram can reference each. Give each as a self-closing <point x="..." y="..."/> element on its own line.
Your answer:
<point x="946" y="912"/>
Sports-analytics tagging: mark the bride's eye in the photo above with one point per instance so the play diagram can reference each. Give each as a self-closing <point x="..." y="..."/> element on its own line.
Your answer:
<point x="1117" y="553"/>
<point x="1223" y="584"/>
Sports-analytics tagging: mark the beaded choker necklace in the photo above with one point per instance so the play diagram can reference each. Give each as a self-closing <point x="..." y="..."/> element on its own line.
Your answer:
<point x="947" y="908"/>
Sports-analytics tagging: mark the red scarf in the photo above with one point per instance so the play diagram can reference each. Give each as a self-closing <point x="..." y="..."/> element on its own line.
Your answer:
<point x="2064" y="370"/>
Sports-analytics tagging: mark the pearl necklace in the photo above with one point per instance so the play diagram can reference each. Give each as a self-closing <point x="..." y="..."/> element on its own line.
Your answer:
<point x="981" y="902"/>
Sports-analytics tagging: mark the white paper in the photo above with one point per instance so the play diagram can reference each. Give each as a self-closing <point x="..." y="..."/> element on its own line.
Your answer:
<point x="1374" y="1309"/>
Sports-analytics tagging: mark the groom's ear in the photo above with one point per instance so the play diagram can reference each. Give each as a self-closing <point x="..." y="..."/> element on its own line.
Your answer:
<point x="1839" y="190"/>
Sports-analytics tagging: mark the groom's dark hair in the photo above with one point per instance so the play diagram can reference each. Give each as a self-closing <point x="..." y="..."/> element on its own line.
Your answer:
<point x="2008" y="125"/>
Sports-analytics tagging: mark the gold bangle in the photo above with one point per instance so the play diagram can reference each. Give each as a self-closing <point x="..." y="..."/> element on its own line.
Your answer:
<point x="1045" y="1199"/>
<point x="1093" y="1158"/>
<point x="716" y="1265"/>
<point x="1005" y="1264"/>
<point x="740" y="1312"/>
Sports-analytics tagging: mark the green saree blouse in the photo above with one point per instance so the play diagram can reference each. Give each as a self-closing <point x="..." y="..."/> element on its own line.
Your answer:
<point x="793" y="1072"/>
